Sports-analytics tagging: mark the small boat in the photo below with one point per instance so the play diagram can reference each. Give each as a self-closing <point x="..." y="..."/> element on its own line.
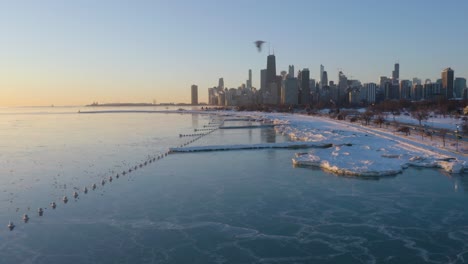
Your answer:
<point x="75" y="195"/>
<point x="53" y="205"/>
<point x="65" y="199"/>
<point x="85" y="190"/>
<point x="25" y="218"/>
<point x="94" y="186"/>
<point x="110" y="178"/>
<point x="103" y="182"/>
<point x="117" y="176"/>
<point x="11" y="225"/>
<point x="40" y="211"/>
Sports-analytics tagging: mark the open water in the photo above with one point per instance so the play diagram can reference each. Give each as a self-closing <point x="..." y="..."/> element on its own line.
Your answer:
<point x="248" y="206"/>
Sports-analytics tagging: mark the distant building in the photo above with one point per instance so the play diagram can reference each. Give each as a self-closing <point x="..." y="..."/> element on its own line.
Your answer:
<point x="416" y="81"/>
<point x="405" y="89"/>
<point x="396" y="73"/>
<point x="305" y="86"/>
<point x="324" y="78"/>
<point x="221" y="84"/>
<point x="263" y="74"/>
<point x="459" y="87"/>
<point x="291" y="71"/>
<point x="194" y="94"/>
<point x="343" y="96"/>
<point x="249" y="81"/>
<point x="371" y="89"/>
<point x="212" y="96"/>
<point x="417" y="92"/>
<point x="290" y="92"/>
<point x="322" y="81"/>
<point x="271" y="69"/>
<point x="430" y="91"/>
<point x="447" y="82"/>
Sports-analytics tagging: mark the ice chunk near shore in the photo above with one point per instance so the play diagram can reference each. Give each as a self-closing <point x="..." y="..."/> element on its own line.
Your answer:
<point x="450" y="165"/>
<point x="346" y="162"/>
<point x="454" y="166"/>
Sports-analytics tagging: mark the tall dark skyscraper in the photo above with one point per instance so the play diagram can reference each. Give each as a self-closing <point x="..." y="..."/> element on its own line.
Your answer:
<point x="447" y="82"/>
<point x="396" y="73"/>
<point x="324" y="78"/>
<point x="321" y="82"/>
<point x="271" y="69"/>
<point x="194" y="94"/>
<point x="305" y="85"/>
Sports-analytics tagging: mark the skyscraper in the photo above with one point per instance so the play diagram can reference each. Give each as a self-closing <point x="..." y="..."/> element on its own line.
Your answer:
<point x="459" y="87"/>
<point x="322" y="84"/>
<point x="405" y="89"/>
<point x="289" y="91"/>
<point x="305" y="85"/>
<point x="263" y="82"/>
<point x="396" y="73"/>
<point x="324" y="79"/>
<point x="271" y="69"/>
<point x="342" y="87"/>
<point x="291" y="71"/>
<point x="371" y="89"/>
<point x="221" y="84"/>
<point x="194" y="94"/>
<point x="249" y="83"/>
<point x="447" y="82"/>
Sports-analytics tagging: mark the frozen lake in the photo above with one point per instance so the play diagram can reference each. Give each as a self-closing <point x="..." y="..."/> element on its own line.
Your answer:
<point x="244" y="206"/>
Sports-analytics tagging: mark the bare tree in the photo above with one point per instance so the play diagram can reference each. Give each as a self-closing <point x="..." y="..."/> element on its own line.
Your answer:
<point x="367" y="116"/>
<point x="379" y="120"/>
<point x="443" y="134"/>
<point x="420" y="115"/>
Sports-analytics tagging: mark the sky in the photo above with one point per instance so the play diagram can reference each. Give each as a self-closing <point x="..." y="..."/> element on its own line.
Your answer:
<point x="78" y="52"/>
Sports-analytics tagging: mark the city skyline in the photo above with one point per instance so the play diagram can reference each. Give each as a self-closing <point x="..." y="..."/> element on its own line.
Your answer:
<point x="75" y="53"/>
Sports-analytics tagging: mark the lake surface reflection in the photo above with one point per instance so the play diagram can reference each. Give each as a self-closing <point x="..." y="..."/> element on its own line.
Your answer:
<point x="208" y="207"/>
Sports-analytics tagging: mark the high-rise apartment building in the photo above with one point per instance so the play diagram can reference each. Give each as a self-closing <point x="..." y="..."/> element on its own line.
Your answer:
<point x="459" y="87"/>
<point x="194" y="94"/>
<point x="371" y="90"/>
<point x="447" y="82"/>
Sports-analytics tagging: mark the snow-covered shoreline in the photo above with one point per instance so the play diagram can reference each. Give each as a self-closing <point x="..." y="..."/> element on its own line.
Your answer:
<point x="359" y="150"/>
